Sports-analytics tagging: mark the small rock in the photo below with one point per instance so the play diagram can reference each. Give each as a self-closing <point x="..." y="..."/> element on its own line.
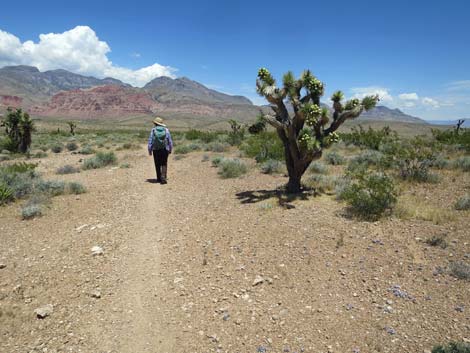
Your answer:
<point x="97" y="250"/>
<point x="258" y="280"/>
<point x="2" y="266"/>
<point x="95" y="294"/>
<point x="459" y="308"/>
<point x="44" y="311"/>
<point x="390" y="330"/>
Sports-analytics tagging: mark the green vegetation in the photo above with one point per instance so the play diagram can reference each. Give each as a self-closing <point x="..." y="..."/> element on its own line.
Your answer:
<point x="231" y="168"/>
<point x="19" y="129"/>
<point x="371" y="139"/>
<point x="370" y="195"/>
<point x="318" y="168"/>
<point x="263" y="146"/>
<point x="460" y="139"/>
<point x="216" y="161"/>
<point x="75" y="188"/>
<point x="67" y="169"/>
<point x="184" y="149"/>
<point x="71" y="146"/>
<point x="272" y="166"/>
<point x="334" y="158"/>
<point x="100" y="160"/>
<point x="31" y="211"/>
<point x="460" y="270"/>
<point x="236" y="134"/>
<point x="463" y="203"/>
<point x="57" y="148"/>
<point x="452" y="347"/>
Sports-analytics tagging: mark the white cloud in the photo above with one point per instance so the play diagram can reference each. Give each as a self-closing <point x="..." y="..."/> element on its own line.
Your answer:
<point x="78" y="50"/>
<point x="361" y="92"/>
<point x="431" y="102"/>
<point x="408" y="96"/>
<point x="462" y="85"/>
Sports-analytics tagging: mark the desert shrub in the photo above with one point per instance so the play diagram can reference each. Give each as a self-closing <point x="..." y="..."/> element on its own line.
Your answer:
<point x="71" y="146"/>
<point x="236" y="134"/>
<point x="371" y="139"/>
<point x="205" y="158"/>
<point x="437" y="240"/>
<point x="321" y="183"/>
<point x="318" y="168"/>
<point x="51" y="187"/>
<point x="184" y="149"/>
<point x="57" y="148"/>
<point x="4" y="157"/>
<point x="417" y="170"/>
<point x="6" y="194"/>
<point x="440" y="162"/>
<point x="31" y="211"/>
<point x="216" y="161"/>
<point x="204" y="136"/>
<point x="67" y="169"/>
<point x="367" y="159"/>
<point x="412" y="208"/>
<point x="125" y="165"/>
<point x="460" y="270"/>
<point x="451" y="137"/>
<point x="19" y="177"/>
<point x="216" y="147"/>
<point x="463" y="203"/>
<point x="40" y="154"/>
<point x="334" y="158"/>
<point x="75" y="188"/>
<point x="100" y="160"/>
<point x="272" y="166"/>
<point x="87" y="150"/>
<point x="231" y="168"/>
<point x="371" y="195"/>
<point x="462" y="163"/>
<point x="452" y="347"/>
<point x="263" y="146"/>
<point x="20" y="167"/>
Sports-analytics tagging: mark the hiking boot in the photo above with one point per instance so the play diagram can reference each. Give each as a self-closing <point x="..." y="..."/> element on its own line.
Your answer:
<point x="164" y="169"/>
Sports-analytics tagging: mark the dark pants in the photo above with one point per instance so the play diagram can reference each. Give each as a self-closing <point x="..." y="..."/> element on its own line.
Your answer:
<point x="160" y="158"/>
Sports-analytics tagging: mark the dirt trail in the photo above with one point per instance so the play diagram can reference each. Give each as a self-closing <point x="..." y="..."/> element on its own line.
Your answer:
<point x="181" y="263"/>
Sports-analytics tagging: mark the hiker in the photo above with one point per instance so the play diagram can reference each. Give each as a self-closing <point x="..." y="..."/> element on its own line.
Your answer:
<point x="160" y="145"/>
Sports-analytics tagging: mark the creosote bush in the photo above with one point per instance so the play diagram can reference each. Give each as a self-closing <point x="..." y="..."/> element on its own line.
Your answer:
<point x="371" y="195"/>
<point x="71" y="146"/>
<point x="57" y="148"/>
<point x="460" y="270"/>
<point x="184" y="149"/>
<point x="100" y="160"/>
<point x="452" y="347"/>
<point x="87" y="150"/>
<point x="231" y="168"/>
<point x="75" y="188"/>
<point x="216" y="160"/>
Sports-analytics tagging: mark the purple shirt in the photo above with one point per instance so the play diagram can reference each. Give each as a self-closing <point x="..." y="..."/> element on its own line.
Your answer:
<point x="168" y="141"/>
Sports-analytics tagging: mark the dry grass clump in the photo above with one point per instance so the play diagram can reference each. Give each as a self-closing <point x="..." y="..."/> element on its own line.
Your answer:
<point x="411" y="208"/>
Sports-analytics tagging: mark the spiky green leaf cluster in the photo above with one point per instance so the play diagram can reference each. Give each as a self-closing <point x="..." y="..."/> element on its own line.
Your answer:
<point x="370" y="102"/>
<point x="330" y="139"/>
<point x="324" y="116"/>
<point x="307" y="141"/>
<point x="265" y="76"/>
<point x="352" y="104"/>
<point x="337" y="97"/>
<point x="311" y="112"/>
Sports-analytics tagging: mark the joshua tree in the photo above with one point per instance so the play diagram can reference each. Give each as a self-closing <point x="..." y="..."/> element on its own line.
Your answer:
<point x="459" y="125"/>
<point x="72" y="126"/>
<point x="309" y="128"/>
<point x="19" y="128"/>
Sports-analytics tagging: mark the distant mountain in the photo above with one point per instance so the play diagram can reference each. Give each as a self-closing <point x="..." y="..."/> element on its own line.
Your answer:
<point x="183" y="90"/>
<point x="60" y="93"/>
<point x="466" y="124"/>
<point x="31" y="85"/>
<point x="383" y="113"/>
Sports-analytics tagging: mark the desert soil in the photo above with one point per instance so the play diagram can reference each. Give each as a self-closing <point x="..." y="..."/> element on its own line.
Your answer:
<point x="205" y="264"/>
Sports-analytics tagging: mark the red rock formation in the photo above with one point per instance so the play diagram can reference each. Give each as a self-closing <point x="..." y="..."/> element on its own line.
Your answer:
<point x="11" y="101"/>
<point x="98" y="102"/>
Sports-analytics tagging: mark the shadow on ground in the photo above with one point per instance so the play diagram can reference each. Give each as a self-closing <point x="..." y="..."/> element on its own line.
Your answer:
<point x="285" y="199"/>
<point x="152" y="181"/>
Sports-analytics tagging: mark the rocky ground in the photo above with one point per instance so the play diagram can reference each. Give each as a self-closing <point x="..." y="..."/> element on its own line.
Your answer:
<point x="205" y="264"/>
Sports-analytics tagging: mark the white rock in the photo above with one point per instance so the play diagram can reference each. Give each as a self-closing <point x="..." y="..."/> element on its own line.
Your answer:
<point x="44" y="311"/>
<point x="258" y="280"/>
<point x="97" y="250"/>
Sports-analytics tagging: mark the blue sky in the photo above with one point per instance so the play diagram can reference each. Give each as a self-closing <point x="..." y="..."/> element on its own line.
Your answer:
<point x="415" y="54"/>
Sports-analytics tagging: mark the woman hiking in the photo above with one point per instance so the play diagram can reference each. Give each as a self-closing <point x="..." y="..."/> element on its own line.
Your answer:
<point x="160" y="145"/>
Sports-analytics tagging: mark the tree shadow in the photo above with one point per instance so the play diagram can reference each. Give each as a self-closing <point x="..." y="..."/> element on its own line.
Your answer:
<point x="284" y="198"/>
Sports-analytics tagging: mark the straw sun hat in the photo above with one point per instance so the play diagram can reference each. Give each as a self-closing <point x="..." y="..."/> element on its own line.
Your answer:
<point x="158" y="121"/>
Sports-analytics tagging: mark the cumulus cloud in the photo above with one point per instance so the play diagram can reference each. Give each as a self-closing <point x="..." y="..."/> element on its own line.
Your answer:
<point x="408" y="96"/>
<point x="78" y="50"/>
<point x="361" y="92"/>
<point x="431" y="102"/>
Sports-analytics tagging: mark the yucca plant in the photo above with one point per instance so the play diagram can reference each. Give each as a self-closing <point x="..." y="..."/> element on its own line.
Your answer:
<point x="311" y="128"/>
<point x="19" y="128"/>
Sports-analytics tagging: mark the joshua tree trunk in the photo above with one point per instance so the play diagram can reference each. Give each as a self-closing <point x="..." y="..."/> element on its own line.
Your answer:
<point x="304" y="133"/>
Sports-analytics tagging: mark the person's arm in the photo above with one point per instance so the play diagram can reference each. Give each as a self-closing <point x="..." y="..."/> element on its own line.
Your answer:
<point x="170" y="141"/>
<point x="149" y="145"/>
